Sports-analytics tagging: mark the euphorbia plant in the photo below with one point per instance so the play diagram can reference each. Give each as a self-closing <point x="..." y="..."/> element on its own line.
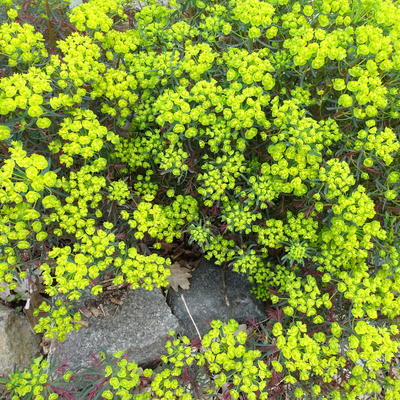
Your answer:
<point x="266" y="132"/>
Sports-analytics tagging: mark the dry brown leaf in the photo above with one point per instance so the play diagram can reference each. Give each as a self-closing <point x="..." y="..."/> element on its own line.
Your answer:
<point x="84" y="323"/>
<point x="116" y="301"/>
<point x="179" y="277"/>
<point x="45" y="345"/>
<point x="95" y="311"/>
<point x="85" y="311"/>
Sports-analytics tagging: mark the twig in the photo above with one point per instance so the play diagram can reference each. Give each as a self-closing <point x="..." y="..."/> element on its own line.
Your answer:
<point x="190" y="315"/>
<point x="102" y="309"/>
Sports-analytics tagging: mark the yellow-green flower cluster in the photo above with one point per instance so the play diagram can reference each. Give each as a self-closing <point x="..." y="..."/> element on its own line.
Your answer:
<point x="117" y="90"/>
<point x="173" y="159"/>
<point x="74" y="268"/>
<point x="344" y="245"/>
<point x="371" y="295"/>
<point x="32" y="382"/>
<point x="219" y="249"/>
<point x="152" y="20"/>
<point x="239" y="218"/>
<point x="23" y="179"/>
<point x="199" y="233"/>
<point x="306" y="356"/>
<point x="139" y="151"/>
<point x="265" y="186"/>
<point x="21" y="45"/>
<point x="60" y="320"/>
<point x="119" y="191"/>
<point x="300" y="295"/>
<point x="83" y="197"/>
<point x="337" y="178"/>
<point x="179" y="32"/>
<point x="252" y="12"/>
<point x="249" y="68"/>
<point x="382" y="144"/>
<point x="143" y="271"/>
<point x="167" y="383"/>
<point x="298" y="230"/>
<point x="123" y="377"/>
<point x="270" y="236"/>
<point x="371" y="349"/>
<point x="220" y="176"/>
<point x="96" y="16"/>
<point x="162" y="223"/>
<point x="230" y="361"/>
<point x="247" y="262"/>
<point x="214" y="24"/>
<point x="299" y="226"/>
<point x="326" y="47"/>
<point x="296" y="252"/>
<point x="79" y="66"/>
<point x="144" y="187"/>
<point x="393" y="182"/>
<point x="296" y="152"/>
<point x="368" y="91"/>
<point x="199" y="58"/>
<point x="117" y="44"/>
<point x="305" y="297"/>
<point x="151" y="69"/>
<point x="24" y="92"/>
<point x="266" y="277"/>
<point x="81" y="135"/>
<point x="5" y="132"/>
<point x="357" y="208"/>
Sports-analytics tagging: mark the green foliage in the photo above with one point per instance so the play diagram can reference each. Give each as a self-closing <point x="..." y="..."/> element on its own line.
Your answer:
<point x="309" y="362"/>
<point x="264" y="132"/>
<point x="32" y="383"/>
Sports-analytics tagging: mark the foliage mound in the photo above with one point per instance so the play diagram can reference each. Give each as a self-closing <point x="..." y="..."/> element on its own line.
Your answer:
<point x="264" y="132"/>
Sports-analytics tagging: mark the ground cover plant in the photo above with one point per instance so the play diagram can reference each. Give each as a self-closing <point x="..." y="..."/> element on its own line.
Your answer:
<point x="264" y="132"/>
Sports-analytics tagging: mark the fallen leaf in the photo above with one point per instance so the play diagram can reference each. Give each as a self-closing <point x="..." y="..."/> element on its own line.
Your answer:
<point x="95" y="311"/>
<point x="84" y="323"/>
<point x="85" y="311"/>
<point x="116" y="301"/>
<point x="179" y="277"/>
<point x="45" y="343"/>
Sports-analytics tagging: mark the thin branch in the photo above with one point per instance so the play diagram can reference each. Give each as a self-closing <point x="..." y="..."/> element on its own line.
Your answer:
<point x="190" y="315"/>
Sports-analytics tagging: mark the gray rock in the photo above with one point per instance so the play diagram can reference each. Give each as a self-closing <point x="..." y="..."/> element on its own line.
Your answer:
<point x="18" y="344"/>
<point x="140" y="327"/>
<point x="75" y="3"/>
<point x="208" y="296"/>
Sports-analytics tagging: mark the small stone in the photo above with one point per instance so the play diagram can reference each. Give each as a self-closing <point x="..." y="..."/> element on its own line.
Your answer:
<point x="139" y="326"/>
<point x="209" y="298"/>
<point x="18" y="344"/>
<point x="75" y="3"/>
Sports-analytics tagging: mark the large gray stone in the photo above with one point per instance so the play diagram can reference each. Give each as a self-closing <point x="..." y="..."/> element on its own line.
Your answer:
<point x="139" y="326"/>
<point x="212" y="296"/>
<point x="18" y="344"/>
